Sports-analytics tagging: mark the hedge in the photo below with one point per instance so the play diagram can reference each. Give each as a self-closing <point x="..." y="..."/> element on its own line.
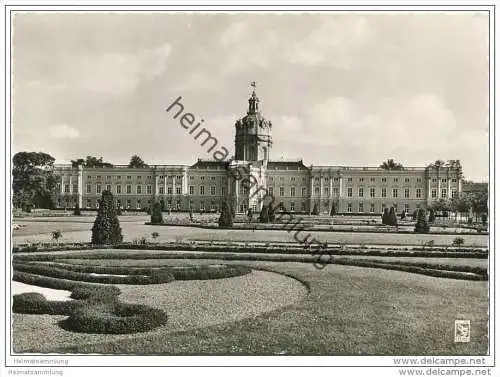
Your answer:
<point x="207" y="273"/>
<point x="95" y="309"/>
<point x="36" y="303"/>
<point x="155" y="276"/>
<point x="116" y="318"/>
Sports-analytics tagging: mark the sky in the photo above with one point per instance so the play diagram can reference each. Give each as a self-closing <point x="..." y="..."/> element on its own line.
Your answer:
<point x="348" y="88"/>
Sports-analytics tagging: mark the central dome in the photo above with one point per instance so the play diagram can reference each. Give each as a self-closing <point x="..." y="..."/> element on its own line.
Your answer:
<point x="253" y="133"/>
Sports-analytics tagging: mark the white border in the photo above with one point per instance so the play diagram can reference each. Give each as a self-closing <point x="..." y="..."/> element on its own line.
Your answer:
<point x="161" y="361"/>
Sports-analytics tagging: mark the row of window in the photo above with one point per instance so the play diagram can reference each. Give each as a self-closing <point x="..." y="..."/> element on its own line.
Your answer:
<point x="213" y="206"/>
<point x="149" y="189"/>
<point x="372" y="209"/>
<point x="244" y="190"/>
<point x="129" y="177"/>
<point x="395" y="193"/>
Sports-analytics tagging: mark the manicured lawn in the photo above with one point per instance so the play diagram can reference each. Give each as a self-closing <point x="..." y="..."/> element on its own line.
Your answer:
<point x="349" y="311"/>
<point x="173" y="262"/>
<point x="73" y="231"/>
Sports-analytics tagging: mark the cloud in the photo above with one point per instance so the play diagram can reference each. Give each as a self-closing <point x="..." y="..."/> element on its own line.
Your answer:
<point x="248" y="46"/>
<point x="115" y="73"/>
<point x="334" y="42"/>
<point x="63" y="131"/>
<point x="412" y="123"/>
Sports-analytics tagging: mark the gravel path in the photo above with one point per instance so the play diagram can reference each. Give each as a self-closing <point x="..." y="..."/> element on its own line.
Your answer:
<point x="189" y="304"/>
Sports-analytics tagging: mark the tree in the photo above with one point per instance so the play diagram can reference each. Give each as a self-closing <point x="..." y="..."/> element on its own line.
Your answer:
<point x="77" y="211"/>
<point x="91" y="162"/>
<point x="155" y="235"/>
<point x="432" y="215"/>
<point x="250" y="215"/>
<point x="137" y="162"/>
<point x="271" y="213"/>
<point x="421" y="225"/>
<point x="385" y="217"/>
<point x="226" y="217"/>
<point x="403" y="215"/>
<point x="414" y="215"/>
<point x="333" y="209"/>
<point x="264" y="214"/>
<point x="457" y="166"/>
<point x="315" y="210"/>
<point x="156" y="215"/>
<point x="106" y="229"/>
<point x="393" y="220"/>
<point x="390" y="164"/>
<point x="33" y="181"/>
<point x="438" y="164"/>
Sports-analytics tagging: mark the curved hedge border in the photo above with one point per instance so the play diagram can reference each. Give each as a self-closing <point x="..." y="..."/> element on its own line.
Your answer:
<point x="95" y="308"/>
<point x="284" y="248"/>
<point x="154" y="276"/>
<point x="117" y="318"/>
<point x="135" y="275"/>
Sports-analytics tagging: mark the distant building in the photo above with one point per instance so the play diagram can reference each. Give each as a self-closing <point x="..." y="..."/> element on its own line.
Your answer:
<point x="294" y="186"/>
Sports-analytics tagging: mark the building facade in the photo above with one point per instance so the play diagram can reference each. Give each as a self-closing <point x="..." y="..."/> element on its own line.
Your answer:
<point x="293" y="186"/>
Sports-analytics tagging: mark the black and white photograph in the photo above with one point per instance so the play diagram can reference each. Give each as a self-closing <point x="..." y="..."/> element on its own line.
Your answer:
<point x="253" y="185"/>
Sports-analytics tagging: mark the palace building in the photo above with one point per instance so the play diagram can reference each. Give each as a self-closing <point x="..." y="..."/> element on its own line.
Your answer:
<point x="294" y="186"/>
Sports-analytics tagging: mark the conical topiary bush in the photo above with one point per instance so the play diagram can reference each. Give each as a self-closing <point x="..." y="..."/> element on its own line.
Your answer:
<point x="264" y="214"/>
<point x="156" y="214"/>
<point x="393" y="220"/>
<point x="226" y="216"/>
<point x="421" y="225"/>
<point x="106" y="229"/>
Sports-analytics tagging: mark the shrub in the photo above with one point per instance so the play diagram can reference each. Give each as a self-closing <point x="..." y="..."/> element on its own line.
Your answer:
<point x="432" y="216"/>
<point x="36" y="303"/>
<point x="56" y="235"/>
<point x="414" y="215"/>
<point x="385" y="217"/>
<point x="315" y="210"/>
<point x="421" y="225"/>
<point x="117" y="318"/>
<point x="150" y="276"/>
<point x="77" y="211"/>
<point x="156" y="215"/>
<point x="106" y="229"/>
<point x="209" y="272"/>
<point x="271" y="213"/>
<point x="333" y="209"/>
<point x="458" y="241"/>
<point x="226" y="217"/>
<point x="484" y="219"/>
<point x="392" y="219"/>
<point x="264" y="214"/>
<point x="250" y="215"/>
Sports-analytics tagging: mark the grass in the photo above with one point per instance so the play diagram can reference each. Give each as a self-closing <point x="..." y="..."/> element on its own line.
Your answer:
<point x="37" y="231"/>
<point x="349" y="311"/>
<point x="189" y="304"/>
<point x="445" y="270"/>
